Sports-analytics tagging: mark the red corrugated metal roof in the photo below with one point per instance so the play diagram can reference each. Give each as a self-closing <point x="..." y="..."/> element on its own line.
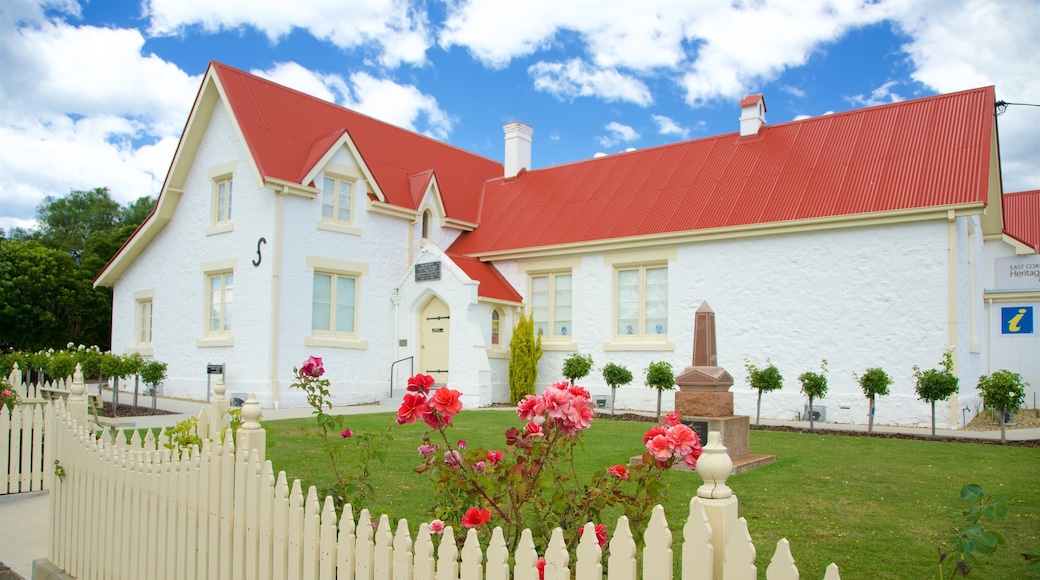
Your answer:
<point x="492" y="283"/>
<point x="1022" y="216"/>
<point x="929" y="152"/>
<point x="286" y="131"/>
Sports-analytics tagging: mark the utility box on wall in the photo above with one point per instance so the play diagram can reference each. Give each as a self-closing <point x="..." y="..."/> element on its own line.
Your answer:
<point x="819" y="413"/>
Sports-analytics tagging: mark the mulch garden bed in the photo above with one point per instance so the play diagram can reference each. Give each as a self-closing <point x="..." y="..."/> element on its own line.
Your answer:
<point x="128" y="410"/>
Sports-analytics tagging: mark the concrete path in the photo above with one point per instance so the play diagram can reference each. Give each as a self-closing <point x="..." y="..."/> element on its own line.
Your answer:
<point x="24" y="517"/>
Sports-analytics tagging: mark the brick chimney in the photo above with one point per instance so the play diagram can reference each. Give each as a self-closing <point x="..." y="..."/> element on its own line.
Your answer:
<point x="518" y="147"/>
<point x="752" y="114"/>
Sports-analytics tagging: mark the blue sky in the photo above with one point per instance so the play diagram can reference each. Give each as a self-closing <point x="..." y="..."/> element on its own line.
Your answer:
<point x="96" y="93"/>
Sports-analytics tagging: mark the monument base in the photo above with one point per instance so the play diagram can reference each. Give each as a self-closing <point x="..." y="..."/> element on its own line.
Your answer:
<point x="734" y="432"/>
<point x="699" y="403"/>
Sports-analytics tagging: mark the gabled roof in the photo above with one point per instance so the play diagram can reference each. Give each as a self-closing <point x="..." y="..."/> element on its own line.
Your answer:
<point x="926" y="153"/>
<point x="492" y="284"/>
<point x="1022" y="217"/>
<point x="287" y="132"/>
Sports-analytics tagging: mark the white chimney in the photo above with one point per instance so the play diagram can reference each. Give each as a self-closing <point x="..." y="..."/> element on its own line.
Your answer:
<point x="752" y="114"/>
<point x="518" y="147"/>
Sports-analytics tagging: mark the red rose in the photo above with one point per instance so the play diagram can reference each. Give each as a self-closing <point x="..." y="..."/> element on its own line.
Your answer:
<point x="412" y="408"/>
<point x="446" y="402"/>
<point x="420" y="383"/>
<point x="312" y="367"/>
<point x="475" y="517"/>
<point x="619" y="471"/>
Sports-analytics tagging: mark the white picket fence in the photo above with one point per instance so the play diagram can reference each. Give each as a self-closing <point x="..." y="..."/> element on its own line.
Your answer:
<point x="23" y="455"/>
<point x="134" y="509"/>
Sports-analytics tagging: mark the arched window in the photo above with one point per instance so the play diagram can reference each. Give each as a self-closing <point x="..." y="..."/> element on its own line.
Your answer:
<point x="496" y="324"/>
<point x="426" y="224"/>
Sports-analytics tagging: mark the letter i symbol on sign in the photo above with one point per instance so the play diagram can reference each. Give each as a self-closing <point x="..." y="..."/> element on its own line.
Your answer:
<point x="1013" y="323"/>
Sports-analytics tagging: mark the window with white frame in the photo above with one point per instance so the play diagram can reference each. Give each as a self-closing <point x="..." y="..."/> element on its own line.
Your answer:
<point x="143" y="322"/>
<point x="641" y="302"/>
<point x="220" y="288"/>
<point x="222" y="200"/>
<point x="334" y="304"/>
<point x="337" y="194"/>
<point x="551" y="301"/>
<point x="496" y="327"/>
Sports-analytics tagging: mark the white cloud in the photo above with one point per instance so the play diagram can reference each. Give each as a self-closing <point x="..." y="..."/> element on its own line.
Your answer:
<point x="963" y="44"/>
<point x="667" y="126"/>
<point x="793" y="91"/>
<point x="108" y="115"/>
<point x="393" y="29"/>
<point x="880" y="96"/>
<point x="576" y="78"/>
<point x="618" y="133"/>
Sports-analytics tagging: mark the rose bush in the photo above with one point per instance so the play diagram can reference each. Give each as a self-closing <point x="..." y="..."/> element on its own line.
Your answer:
<point x="352" y="472"/>
<point x="532" y="482"/>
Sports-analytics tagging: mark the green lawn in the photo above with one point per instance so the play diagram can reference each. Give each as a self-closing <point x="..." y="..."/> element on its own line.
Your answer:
<point x="873" y="506"/>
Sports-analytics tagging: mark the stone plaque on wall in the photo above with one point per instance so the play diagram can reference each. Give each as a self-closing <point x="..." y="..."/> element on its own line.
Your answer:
<point x="427" y="271"/>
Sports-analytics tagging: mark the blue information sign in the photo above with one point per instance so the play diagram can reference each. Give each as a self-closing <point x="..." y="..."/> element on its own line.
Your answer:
<point x="1016" y="320"/>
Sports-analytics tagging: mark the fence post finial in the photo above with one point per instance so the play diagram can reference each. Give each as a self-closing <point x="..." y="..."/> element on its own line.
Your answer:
<point x="251" y="435"/>
<point x="78" y="397"/>
<point x="218" y="408"/>
<point x="714" y="466"/>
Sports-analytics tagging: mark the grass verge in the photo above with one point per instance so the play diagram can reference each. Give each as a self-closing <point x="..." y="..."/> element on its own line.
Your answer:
<point x="873" y="506"/>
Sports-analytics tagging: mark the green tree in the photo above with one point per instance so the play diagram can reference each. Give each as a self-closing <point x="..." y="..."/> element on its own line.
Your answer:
<point x="659" y="376"/>
<point x="936" y="384"/>
<point x="40" y="291"/>
<point x="874" y="383"/>
<point x="135" y="212"/>
<point x="67" y="221"/>
<point x="577" y="366"/>
<point x="1003" y="392"/>
<point x="814" y="385"/>
<point x="616" y="376"/>
<point x="764" y="381"/>
<point x="525" y="350"/>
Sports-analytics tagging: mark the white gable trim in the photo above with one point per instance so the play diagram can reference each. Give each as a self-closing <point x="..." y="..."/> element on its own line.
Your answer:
<point x="345" y="141"/>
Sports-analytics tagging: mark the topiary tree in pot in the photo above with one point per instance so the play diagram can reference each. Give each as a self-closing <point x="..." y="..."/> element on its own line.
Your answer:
<point x="874" y="383"/>
<point x="1004" y="392"/>
<point x="936" y="384"/>
<point x="616" y="376"/>
<point x="659" y="376"/>
<point x="764" y="381"/>
<point x="814" y="385"/>
<point x="577" y="366"/>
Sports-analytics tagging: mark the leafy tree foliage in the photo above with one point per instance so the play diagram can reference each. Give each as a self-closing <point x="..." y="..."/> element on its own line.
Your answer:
<point x="46" y="274"/>
<point x="616" y="376"/>
<point x="524" y="353"/>
<point x="1003" y="392"/>
<point x="577" y="366"/>
<point x="875" y="383"/>
<point x="764" y="381"/>
<point x="936" y="384"/>
<point x="814" y="385"/>
<point x="659" y="376"/>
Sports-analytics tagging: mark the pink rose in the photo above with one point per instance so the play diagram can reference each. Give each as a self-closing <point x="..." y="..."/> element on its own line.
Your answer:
<point x="659" y="447"/>
<point x="313" y="367"/>
<point x="601" y="534"/>
<point x="541" y="568"/>
<point x="672" y="419"/>
<point x="412" y="408"/>
<point x="346" y="434"/>
<point x="436" y="527"/>
<point x="682" y="439"/>
<point x="529" y="407"/>
<point x="653" y="432"/>
<point x="461" y="444"/>
<point x="494" y="457"/>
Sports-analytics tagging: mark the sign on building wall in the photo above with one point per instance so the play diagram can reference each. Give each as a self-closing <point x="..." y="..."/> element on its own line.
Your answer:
<point x="427" y="271"/>
<point x="1016" y="320"/>
<point x="1018" y="273"/>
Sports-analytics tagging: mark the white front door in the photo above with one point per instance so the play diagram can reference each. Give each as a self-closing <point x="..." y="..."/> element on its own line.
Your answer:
<point x="433" y="340"/>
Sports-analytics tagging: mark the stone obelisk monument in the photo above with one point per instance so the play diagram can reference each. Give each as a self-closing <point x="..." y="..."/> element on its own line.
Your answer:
<point x="704" y="400"/>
